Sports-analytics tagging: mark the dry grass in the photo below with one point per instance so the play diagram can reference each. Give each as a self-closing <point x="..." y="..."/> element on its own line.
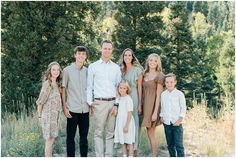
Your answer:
<point x="209" y="137"/>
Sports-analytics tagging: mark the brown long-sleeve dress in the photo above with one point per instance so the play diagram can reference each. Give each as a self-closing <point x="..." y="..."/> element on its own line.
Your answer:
<point x="51" y="100"/>
<point x="149" y="100"/>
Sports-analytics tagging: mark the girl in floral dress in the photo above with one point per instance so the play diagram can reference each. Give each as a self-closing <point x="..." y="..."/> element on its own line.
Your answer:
<point x="49" y="105"/>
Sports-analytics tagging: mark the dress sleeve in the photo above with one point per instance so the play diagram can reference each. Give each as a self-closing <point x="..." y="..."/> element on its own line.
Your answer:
<point x="44" y="93"/>
<point x="138" y="72"/>
<point x="130" y="105"/>
<point x="160" y="79"/>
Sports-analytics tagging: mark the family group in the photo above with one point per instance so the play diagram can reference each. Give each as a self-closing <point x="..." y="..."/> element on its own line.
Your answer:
<point x="121" y="97"/>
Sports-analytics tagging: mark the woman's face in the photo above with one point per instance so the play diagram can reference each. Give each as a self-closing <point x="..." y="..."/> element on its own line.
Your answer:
<point x="55" y="71"/>
<point x="128" y="57"/>
<point x="153" y="63"/>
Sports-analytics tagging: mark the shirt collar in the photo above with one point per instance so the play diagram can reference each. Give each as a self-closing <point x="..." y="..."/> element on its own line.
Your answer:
<point x="74" y="65"/>
<point x="101" y="61"/>
<point x="172" y="90"/>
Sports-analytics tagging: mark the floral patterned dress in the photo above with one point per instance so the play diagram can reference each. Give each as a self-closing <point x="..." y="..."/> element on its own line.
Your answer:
<point x="50" y="98"/>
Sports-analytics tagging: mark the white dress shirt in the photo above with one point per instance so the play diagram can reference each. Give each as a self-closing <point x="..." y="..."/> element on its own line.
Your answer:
<point x="103" y="78"/>
<point x="173" y="106"/>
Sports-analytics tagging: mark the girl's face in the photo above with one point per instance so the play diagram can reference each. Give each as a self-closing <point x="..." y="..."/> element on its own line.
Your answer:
<point x="55" y="71"/>
<point x="153" y="63"/>
<point x="123" y="89"/>
<point x="128" y="57"/>
<point x="80" y="56"/>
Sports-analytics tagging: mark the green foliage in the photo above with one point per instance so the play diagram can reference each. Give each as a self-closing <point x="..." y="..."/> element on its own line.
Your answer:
<point x="139" y="28"/>
<point x="37" y="33"/>
<point x="179" y="56"/>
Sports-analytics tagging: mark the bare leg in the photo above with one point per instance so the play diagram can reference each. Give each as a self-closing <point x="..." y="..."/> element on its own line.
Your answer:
<point x="48" y="147"/>
<point x="136" y="153"/>
<point x="131" y="150"/>
<point x="152" y="139"/>
<point x="124" y="148"/>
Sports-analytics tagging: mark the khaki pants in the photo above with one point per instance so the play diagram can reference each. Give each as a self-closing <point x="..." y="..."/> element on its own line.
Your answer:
<point x="104" y="122"/>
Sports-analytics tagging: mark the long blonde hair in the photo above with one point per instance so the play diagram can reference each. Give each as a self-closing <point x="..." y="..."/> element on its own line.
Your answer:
<point x="158" y="68"/>
<point x="126" y="83"/>
<point x="134" y="61"/>
<point x="47" y="74"/>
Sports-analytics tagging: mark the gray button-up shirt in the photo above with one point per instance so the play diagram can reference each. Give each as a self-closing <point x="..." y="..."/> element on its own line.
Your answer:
<point x="75" y="82"/>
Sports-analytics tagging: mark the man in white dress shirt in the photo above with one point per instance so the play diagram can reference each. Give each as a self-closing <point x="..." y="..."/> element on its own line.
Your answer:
<point x="173" y="109"/>
<point x="103" y="79"/>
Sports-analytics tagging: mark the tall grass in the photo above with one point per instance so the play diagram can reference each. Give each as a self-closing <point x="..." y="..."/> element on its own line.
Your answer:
<point x="203" y="136"/>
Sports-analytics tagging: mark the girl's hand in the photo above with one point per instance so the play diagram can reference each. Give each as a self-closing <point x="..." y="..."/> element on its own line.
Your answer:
<point x="125" y="129"/>
<point x="154" y="117"/>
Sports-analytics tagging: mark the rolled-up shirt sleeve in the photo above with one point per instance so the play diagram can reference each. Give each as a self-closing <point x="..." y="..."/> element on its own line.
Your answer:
<point x="182" y="105"/>
<point x="90" y="81"/>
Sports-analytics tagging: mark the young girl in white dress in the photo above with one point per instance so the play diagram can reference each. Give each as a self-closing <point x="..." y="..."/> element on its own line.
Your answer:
<point x="125" y="126"/>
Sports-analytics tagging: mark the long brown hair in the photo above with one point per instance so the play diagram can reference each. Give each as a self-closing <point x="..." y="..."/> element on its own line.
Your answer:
<point x="134" y="61"/>
<point x="47" y="74"/>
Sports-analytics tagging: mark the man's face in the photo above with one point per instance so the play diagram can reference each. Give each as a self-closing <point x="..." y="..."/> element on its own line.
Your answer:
<point x="106" y="50"/>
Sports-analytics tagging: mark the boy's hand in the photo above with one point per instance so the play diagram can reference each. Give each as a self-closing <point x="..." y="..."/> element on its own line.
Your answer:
<point x="162" y="120"/>
<point x="125" y="129"/>
<point x="66" y="112"/>
<point x="178" y="122"/>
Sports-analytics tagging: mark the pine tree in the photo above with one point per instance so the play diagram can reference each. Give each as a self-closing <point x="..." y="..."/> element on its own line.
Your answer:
<point x="180" y="56"/>
<point x="35" y="34"/>
<point x="139" y="28"/>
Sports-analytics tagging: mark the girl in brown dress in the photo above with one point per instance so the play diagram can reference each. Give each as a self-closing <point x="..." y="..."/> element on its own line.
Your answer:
<point x="49" y="105"/>
<point x="153" y="86"/>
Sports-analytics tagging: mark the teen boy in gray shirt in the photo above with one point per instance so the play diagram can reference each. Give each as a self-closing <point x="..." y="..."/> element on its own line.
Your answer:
<point x="74" y="102"/>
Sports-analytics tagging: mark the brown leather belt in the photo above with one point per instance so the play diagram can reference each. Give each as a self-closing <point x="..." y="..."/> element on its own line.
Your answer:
<point x="105" y="99"/>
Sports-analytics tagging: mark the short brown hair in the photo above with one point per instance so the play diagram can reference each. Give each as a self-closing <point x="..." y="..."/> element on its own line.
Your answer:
<point x="106" y="41"/>
<point x="80" y="49"/>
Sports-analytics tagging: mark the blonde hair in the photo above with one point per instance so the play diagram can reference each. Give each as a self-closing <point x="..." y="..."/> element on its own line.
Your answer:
<point x="158" y="68"/>
<point x="127" y="85"/>
<point x="171" y="75"/>
<point x="134" y="61"/>
<point x="47" y="74"/>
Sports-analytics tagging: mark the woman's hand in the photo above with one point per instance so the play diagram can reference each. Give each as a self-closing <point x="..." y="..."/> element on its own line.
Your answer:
<point x="140" y="109"/>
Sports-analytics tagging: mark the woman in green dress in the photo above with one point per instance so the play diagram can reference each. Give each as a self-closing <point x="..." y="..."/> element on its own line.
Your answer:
<point x="132" y="72"/>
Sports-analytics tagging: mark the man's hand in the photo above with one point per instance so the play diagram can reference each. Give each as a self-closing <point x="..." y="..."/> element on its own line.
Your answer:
<point x="90" y="111"/>
<point x="114" y="111"/>
<point x="66" y="112"/>
<point x="94" y="104"/>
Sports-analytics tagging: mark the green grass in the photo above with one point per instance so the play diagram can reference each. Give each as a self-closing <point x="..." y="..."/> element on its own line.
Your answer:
<point x="22" y="136"/>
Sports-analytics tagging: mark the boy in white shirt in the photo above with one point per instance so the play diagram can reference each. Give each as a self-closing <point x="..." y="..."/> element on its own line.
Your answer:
<point x="173" y="109"/>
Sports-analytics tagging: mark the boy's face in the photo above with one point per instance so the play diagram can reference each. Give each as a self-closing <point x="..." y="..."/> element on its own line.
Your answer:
<point x="170" y="83"/>
<point x="80" y="56"/>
